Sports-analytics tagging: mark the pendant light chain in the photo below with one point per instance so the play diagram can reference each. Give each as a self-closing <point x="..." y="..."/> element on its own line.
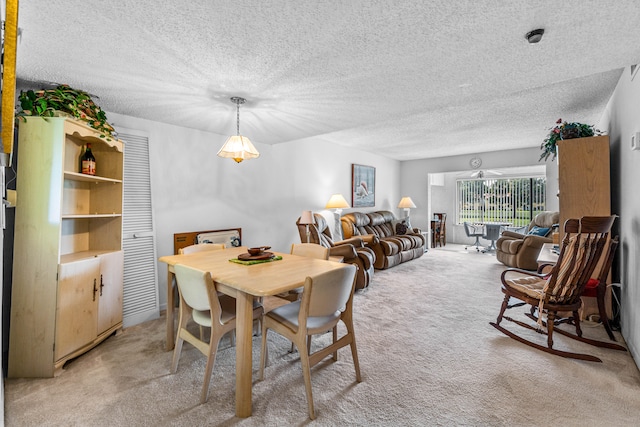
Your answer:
<point x="238" y="117"/>
<point x="238" y="100"/>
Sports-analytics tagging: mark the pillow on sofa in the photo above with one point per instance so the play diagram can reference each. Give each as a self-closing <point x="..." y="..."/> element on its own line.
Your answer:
<point x="402" y="226"/>
<point x="538" y="231"/>
<point x="399" y="227"/>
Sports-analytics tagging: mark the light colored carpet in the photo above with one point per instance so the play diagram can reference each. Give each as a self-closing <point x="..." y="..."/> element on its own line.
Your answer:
<point x="428" y="357"/>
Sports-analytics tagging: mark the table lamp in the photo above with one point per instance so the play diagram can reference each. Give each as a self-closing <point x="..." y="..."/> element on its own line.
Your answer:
<point x="407" y="204"/>
<point x="306" y="219"/>
<point x="337" y="202"/>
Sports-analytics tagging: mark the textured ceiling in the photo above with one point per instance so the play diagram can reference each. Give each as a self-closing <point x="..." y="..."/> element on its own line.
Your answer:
<point x="404" y="79"/>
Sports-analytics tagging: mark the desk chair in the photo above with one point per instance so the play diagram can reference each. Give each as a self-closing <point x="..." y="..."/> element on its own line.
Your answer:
<point x="327" y="299"/>
<point x="472" y="230"/>
<point x="200" y="301"/>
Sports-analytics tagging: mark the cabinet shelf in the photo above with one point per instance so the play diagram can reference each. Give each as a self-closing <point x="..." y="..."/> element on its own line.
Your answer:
<point x="75" y="176"/>
<point x="91" y="216"/>
<point x="79" y="256"/>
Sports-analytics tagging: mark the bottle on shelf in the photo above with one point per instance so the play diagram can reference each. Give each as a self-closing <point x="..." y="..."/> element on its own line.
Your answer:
<point x="88" y="161"/>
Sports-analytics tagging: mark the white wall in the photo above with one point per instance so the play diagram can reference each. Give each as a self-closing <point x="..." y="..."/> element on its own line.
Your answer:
<point x="193" y="189"/>
<point x="622" y="119"/>
<point x="414" y="182"/>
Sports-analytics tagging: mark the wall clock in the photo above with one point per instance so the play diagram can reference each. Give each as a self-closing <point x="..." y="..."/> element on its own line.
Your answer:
<point x="475" y="162"/>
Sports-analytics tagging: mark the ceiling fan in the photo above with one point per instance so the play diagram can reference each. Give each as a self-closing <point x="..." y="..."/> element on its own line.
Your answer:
<point x="479" y="174"/>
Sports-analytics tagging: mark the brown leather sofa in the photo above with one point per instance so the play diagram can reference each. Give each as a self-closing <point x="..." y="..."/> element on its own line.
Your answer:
<point x="378" y="230"/>
<point x="353" y="251"/>
<point x="521" y="250"/>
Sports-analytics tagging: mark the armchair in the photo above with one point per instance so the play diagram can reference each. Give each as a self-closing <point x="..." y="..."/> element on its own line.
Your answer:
<point x="521" y="250"/>
<point x="353" y="250"/>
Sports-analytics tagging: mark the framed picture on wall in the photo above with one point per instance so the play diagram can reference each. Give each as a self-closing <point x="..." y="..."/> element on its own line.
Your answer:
<point x="363" y="186"/>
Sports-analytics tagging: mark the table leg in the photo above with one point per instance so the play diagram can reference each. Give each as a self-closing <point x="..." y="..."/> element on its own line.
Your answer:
<point x="170" y="304"/>
<point x="244" y="338"/>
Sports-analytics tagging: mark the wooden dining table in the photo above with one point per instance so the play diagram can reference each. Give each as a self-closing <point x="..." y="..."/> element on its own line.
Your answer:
<point x="244" y="283"/>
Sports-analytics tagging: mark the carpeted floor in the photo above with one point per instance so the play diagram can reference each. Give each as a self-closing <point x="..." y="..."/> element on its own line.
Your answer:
<point x="428" y="357"/>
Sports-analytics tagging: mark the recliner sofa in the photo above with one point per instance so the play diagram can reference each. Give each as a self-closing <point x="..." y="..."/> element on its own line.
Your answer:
<point x="353" y="251"/>
<point x="521" y="249"/>
<point x="378" y="230"/>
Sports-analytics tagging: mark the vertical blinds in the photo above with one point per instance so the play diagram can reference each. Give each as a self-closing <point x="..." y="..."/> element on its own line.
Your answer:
<point x="512" y="200"/>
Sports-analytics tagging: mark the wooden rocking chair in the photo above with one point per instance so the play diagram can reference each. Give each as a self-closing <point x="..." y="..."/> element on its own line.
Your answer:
<point x="559" y="290"/>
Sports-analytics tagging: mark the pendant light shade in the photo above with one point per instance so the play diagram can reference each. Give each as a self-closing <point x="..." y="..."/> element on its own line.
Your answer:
<point x="238" y="147"/>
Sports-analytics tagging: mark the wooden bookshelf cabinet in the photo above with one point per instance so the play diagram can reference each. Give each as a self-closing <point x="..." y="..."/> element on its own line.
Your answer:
<point x="584" y="178"/>
<point x="584" y="184"/>
<point x="68" y="259"/>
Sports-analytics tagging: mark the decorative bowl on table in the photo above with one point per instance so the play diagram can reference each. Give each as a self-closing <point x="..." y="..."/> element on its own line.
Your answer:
<point x="256" y="254"/>
<point x="257" y="250"/>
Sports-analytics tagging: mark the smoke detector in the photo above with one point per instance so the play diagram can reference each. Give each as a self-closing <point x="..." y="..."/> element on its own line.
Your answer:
<point x="534" y="36"/>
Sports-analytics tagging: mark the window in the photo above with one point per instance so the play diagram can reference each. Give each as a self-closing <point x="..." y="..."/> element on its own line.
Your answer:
<point x="513" y="200"/>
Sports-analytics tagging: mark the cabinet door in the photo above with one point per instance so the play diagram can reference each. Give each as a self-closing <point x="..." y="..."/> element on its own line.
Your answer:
<point x="76" y="314"/>
<point x="110" y="285"/>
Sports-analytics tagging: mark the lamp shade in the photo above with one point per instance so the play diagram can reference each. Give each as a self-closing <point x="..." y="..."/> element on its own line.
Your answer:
<point x="307" y="218"/>
<point x="337" y="201"/>
<point x="238" y="148"/>
<point x="406" y="203"/>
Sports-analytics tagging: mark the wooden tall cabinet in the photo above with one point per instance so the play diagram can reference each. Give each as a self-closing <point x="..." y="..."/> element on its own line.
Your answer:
<point x="68" y="258"/>
<point x="585" y="189"/>
<point x="584" y="178"/>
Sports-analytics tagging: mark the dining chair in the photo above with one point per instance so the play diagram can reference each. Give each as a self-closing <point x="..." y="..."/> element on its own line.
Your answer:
<point x="311" y="250"/>
<point x="203" y="247"/>
<point x="559" y="291"/>
<point x="441" y="229"/>
<point x="199" y="300"/>
<point x="200" y="248"/>
<point x="327" y="299"/>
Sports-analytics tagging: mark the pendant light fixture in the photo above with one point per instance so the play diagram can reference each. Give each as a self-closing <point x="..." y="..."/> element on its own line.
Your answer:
<point x="238" y="147"/>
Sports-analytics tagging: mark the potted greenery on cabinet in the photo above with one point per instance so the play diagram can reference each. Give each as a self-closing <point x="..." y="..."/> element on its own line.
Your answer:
<point x="565" y="130"/>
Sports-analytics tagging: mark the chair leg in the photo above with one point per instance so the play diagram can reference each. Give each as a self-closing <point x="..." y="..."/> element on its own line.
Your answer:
<point x="551" y="316"/>
<point x="576" y="321"/>
<point x="503" y="308"/>
<point x="306" y="373"/>
<point x="211" y="360"/>
<point x="354" y="350"/>
<point x="603" y="312"/>
<point x="263" y="350"/>
<point x="293" y="346"/>
<point x="183" y="319"/>
<point x="335" y="338"/>
<point x="177" y="349"/>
